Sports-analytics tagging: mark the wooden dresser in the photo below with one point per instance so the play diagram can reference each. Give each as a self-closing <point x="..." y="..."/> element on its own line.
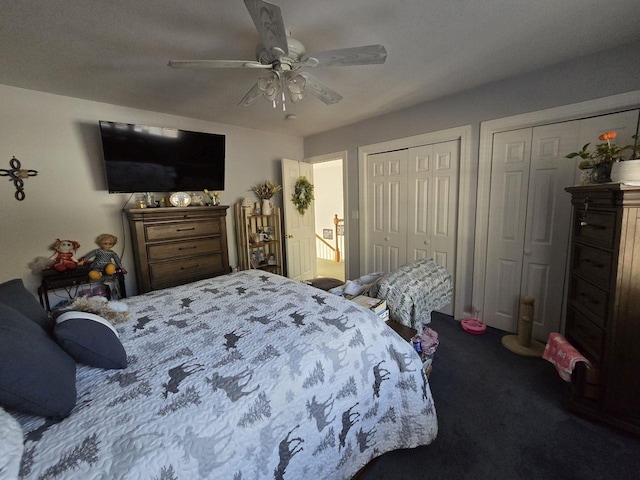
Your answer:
<point x="173" y="245"/>
<point x="603" y="308"/>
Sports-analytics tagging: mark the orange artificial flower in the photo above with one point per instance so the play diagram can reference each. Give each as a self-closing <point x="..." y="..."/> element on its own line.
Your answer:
<point x="604" y="152"/>
<point x="607" y="136"/>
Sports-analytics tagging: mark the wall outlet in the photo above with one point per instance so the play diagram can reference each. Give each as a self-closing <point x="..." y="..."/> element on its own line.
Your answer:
<point x="355" y="214"/>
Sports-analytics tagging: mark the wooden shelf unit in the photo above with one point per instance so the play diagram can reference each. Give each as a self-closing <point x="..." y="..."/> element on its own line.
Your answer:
<point x="248" y="238"/>
<point x="175" y="245"/>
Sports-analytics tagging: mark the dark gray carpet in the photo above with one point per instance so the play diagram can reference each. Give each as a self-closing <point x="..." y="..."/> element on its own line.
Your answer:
<point x="502" y="416"/>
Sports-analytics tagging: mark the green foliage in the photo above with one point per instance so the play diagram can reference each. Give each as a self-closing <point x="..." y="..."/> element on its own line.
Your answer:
<point x="635" y="148"/>
<point x="302" y="195"/>
<point x="605" y="152"/>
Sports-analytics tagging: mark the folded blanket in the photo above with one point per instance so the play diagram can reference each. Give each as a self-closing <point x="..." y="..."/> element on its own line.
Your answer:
<point x="562" y="355"/>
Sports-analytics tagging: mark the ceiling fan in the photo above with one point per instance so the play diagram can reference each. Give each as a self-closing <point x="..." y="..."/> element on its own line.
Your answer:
<point x="284" y="57"/>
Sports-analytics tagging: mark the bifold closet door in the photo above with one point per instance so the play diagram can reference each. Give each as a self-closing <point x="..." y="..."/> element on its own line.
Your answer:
<point x="387" y="210"/>
<point x="507" y="217"/>
<point x="529" y="217"/>
<point x="529" y="225"/>
<point x="412" y="207"/>
<point x="546" y="239"/>
<point x="432" y="187"/>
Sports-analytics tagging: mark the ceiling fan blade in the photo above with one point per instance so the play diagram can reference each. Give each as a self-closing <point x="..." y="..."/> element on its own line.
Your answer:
<point x="317" y="88"/>
<point x="367" y="55"/>
<point x="216" y="64"/>
<point x="268" y="21"/>
<point x="251" y="96"/>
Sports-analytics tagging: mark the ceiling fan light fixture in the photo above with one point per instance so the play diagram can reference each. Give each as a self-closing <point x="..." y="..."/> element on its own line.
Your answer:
<point x="284" y="56"/>
<point x="269" y="86"/>
<point x="295" y="86"/>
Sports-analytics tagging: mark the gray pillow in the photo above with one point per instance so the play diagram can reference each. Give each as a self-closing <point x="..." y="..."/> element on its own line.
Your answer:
<point x="14" y="294"/>
<point x="90" y="339"/>
<point x="36" y="375"/>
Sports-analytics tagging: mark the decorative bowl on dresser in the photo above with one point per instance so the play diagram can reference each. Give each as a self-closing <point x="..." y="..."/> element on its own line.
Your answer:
<point x="174" y="245"/>
<point x="603" y="307"/>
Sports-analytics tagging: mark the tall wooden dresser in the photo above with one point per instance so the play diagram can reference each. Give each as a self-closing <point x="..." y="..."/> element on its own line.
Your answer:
<point x="175" y="245"/>
<point x="603" y="308"/>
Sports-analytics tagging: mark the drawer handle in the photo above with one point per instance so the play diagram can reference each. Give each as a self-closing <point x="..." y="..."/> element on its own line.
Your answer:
<point x="187" y="248"/>
<point x="595" y="227"/>
<point x="592" y="263"/>
<point x="185" y="229"/>
<point x="589" y="299"/>
<point x="189" y="267"/>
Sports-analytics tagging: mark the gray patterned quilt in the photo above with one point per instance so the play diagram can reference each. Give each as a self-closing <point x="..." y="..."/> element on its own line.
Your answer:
<point x="414" y="290"/>
<point x="245" y="376"/>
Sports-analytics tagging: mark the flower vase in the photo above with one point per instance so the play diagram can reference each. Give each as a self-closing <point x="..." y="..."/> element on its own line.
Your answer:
<point x="586" y="176"/>
<point x="266" y="206"/>
<point x="602" y="173"/>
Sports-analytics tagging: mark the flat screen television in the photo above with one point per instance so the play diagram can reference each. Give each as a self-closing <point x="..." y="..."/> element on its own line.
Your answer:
<point x="142" y="158"/>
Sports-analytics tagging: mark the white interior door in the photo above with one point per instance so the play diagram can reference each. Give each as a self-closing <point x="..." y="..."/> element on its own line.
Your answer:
<point x="529" y="222"/>
<point x="529" y="217"/>
<point x="432" y="188"/>
<point x="412" y="206"/>
<point x="387" y="210"/>
<point x="299" y="230"/>
<point x="548" y="224"/>
<point x="432" y="203"/>
<point x="507" y="216"/>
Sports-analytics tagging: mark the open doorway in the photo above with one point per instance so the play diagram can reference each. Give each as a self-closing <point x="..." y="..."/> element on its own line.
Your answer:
<point x="329" y="216"/>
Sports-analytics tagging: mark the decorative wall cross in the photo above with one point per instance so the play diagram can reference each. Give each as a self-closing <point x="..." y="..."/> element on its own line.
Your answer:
<point x="18" y="175"/>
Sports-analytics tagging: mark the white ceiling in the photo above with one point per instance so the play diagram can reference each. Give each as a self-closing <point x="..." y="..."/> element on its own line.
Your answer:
<point x="116" y="51"/>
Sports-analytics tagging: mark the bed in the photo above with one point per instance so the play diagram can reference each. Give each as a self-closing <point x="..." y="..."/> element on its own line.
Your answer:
<point x="244" y="376"/>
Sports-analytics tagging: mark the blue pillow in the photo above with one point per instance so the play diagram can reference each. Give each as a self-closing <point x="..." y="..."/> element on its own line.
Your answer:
<point x="14" y="294"/>
<point x="36" y="375"/>
<point x="90" y="339"/>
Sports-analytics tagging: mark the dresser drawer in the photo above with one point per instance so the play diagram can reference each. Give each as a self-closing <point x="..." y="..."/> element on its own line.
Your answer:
<point x="186" y="270"/>
<point x="599" y="228"/>
<point x="171" y="231"/>
<point x="167" y="251"/>
<point x="590" y="298"/>
<point x="592" y="264"/>
<point x="583" y="334"/>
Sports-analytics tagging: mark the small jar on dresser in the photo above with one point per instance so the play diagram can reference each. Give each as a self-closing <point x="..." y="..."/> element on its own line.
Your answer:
<point x="603" y="307"/>
<point x="175" y="245"/>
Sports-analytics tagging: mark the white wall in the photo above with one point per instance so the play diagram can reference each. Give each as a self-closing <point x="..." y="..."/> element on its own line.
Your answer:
<point x="59" y="137"/>
<point x="595" y="76"/>
<point x="328" y="194"/>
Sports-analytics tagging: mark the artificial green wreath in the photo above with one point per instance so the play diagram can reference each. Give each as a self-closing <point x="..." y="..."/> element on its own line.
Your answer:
<point x="302" y="195"/>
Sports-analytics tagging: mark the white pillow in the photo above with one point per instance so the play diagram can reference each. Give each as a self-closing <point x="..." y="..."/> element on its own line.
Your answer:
<point x="369" y="278"/>
<point x="11" y="446"/>
<point x="353" y="288"/>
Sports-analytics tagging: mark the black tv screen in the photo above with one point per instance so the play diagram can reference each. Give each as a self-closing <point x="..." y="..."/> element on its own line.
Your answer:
<point x="142" y="158"/>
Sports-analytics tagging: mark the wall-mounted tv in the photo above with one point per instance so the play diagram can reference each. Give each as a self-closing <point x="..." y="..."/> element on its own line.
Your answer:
<point x="142" y="158"/>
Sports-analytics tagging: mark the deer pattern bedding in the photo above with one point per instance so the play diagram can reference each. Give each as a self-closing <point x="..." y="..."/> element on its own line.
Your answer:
<point x="244" y="376"/>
